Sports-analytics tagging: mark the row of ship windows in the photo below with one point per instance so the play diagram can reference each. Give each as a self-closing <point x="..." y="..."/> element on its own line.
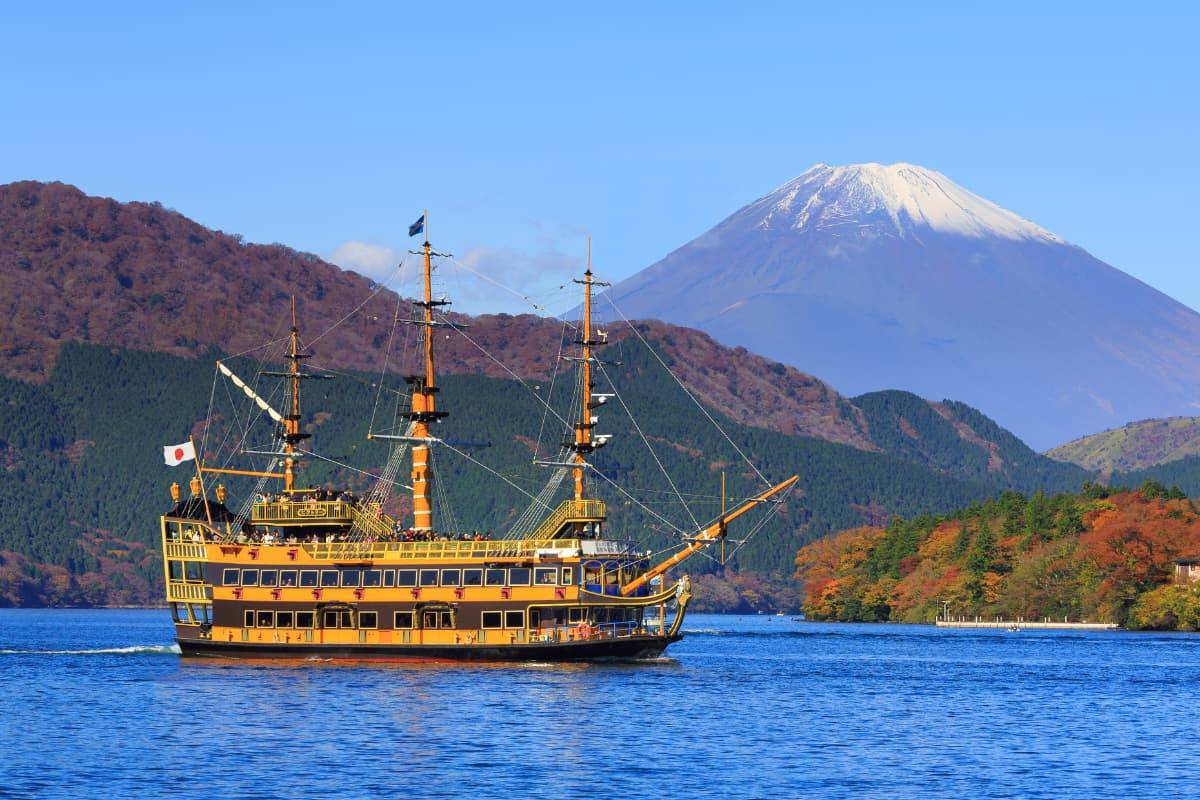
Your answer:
<point x="334" y="578"/>
<point x="404" y="620"/>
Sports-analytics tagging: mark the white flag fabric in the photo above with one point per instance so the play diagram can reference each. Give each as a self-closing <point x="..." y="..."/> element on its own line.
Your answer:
<point x="176" y="454"/>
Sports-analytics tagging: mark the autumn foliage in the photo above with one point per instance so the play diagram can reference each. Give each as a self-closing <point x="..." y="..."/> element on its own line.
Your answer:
<point x="1095" y="556"/>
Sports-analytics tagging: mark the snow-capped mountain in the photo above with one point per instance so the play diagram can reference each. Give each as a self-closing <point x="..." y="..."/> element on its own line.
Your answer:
<point x="878" y="276"/>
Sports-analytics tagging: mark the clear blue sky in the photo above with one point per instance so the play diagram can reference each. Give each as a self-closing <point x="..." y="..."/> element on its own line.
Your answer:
<point x="521" y="127"/>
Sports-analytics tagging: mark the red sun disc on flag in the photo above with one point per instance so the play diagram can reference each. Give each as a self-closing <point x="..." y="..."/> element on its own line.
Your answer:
<point x="179" y="454"/>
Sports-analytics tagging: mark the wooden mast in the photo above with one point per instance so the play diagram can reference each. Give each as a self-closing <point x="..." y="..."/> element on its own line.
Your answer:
<point x="583" y="429"/>
<point x="424" y="405"/>
<point x="292" y="421"/>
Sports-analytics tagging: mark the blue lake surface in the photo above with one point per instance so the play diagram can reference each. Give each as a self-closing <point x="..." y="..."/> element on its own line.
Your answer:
<point x="98" y="704"/>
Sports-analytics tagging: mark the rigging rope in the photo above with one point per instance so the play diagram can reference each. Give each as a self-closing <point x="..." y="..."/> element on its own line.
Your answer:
<point x="657" y="357"/>
<point x="646" y="442"/>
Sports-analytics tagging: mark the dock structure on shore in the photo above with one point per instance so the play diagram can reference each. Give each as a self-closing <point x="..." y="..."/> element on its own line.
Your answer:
<point x="1032" y="626"/>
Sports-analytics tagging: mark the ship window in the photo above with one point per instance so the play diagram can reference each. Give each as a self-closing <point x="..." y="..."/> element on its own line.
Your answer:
<point x="266" y="619"/>
<point x="545" y="576"/>
<point x="304" y="619"/>
<point x="566" y="576"/>
<point x="176" y="569"/>
<point x="591" y="572"/>
<point x="404" y="619"/>
<point x="230" y="577"/>
<point x="351" y="577"/>
<point x="248" y="620"/>
<point x="514" y="619"/>
<point x="249" y="577"/>
<point x="193" y="571"/>
<point x="447" y="619"/>
<point x="269" y="577"/>
<point x="389" y="577"/>
<point x="429" y="577"/>
<point x="472" y="577"/>
<point x="308" y="577"/>
<point x="574" y="615"/>
<point x="283" y="619"/>
<point x="372" y="577"/>
<point x="344" y="619"/>
<point x="518" y="576"/>
<point x="406" y="577"/>
<point x="287" y="577"/>
<point x="450" y="577"/>
<point x="329" y="577"/>
<point x="493" y="619"/>
<point x="495" y="577"/>
<point x="329" y="619"/>
<point x="429" y="620"/>
<point x="368" y="619"/>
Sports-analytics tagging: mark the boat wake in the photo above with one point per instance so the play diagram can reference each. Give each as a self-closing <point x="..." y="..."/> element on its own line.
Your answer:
<point x="132" y="650"/>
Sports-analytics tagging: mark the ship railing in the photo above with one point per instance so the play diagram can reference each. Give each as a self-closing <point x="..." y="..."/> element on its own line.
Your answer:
<point x="305" y="511"/>
<point x="371" y="520"/>
<point x="182" y="591"/>
<point x="569" y="511"/>
<point x="575" y="633"/>
<point x="501" y="548"/>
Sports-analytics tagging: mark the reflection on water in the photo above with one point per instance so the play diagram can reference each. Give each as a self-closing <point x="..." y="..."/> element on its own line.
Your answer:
<point x="98" y="702"/>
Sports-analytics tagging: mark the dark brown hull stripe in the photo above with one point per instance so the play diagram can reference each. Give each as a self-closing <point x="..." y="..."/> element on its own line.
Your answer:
<point x="632" y="648"/>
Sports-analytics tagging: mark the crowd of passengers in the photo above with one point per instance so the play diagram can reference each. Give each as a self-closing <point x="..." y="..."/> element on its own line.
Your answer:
<point x="251" y="535"/>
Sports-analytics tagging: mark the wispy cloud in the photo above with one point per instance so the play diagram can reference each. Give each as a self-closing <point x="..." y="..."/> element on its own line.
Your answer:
<point x="480" y="280"/>
<point x="488" y="279"/>
<point x="376" y="261"/>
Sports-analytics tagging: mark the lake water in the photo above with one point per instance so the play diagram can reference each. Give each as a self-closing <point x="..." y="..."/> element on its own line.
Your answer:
<point x="97" y="703"/>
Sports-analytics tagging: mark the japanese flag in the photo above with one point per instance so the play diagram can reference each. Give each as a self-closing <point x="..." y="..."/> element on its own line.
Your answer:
<point x="176" y="454"/>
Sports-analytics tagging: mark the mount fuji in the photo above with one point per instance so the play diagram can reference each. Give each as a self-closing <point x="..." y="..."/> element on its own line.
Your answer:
<point x="878" y="276"/>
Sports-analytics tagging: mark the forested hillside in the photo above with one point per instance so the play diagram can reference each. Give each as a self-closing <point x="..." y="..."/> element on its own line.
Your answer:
<point x="956" y="439"/>
<point x="83" y="480"/>
<point x="1093" y="556"/>
<point x="1136" y="446"/>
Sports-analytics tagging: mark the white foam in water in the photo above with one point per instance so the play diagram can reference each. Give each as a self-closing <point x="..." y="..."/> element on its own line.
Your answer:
<point x="136" y="649"/>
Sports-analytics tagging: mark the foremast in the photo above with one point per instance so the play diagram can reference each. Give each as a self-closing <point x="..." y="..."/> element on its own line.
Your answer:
<point x="424" y="398"/>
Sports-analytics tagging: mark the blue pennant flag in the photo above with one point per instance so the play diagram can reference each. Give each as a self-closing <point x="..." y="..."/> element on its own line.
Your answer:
<point x="417" y="226"/>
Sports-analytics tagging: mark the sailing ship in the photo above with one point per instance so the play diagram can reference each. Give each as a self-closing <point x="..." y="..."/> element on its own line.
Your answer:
<point x="304" y="572"/>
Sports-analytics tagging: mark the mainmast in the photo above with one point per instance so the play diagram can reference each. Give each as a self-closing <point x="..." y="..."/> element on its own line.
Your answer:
<point x="424" y="404"/>
<point x="584" y="442"/>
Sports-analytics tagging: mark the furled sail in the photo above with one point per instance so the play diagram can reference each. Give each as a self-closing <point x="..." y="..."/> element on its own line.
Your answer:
<point x="238" y="382"/>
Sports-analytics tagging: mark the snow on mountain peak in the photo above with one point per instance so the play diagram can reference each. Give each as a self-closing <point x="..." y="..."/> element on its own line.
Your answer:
<point x="829" y="198"/>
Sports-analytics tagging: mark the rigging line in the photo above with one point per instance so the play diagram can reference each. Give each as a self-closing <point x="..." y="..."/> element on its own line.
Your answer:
<point x="386" y="354"/>
<point x="769" y="515"/>
<point x="352" y="469"/>
<point x="497" y="283"/>
<point x="505" y="367"/>
<point x="646" y="442"/>
<point x="537" y="447"/>
<point x="657" y="357"/>
<point x="478" y="463"/>
<point x="379" y="287"/>
<point x="208" y="417"/>
<point x="639" y="503"/>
